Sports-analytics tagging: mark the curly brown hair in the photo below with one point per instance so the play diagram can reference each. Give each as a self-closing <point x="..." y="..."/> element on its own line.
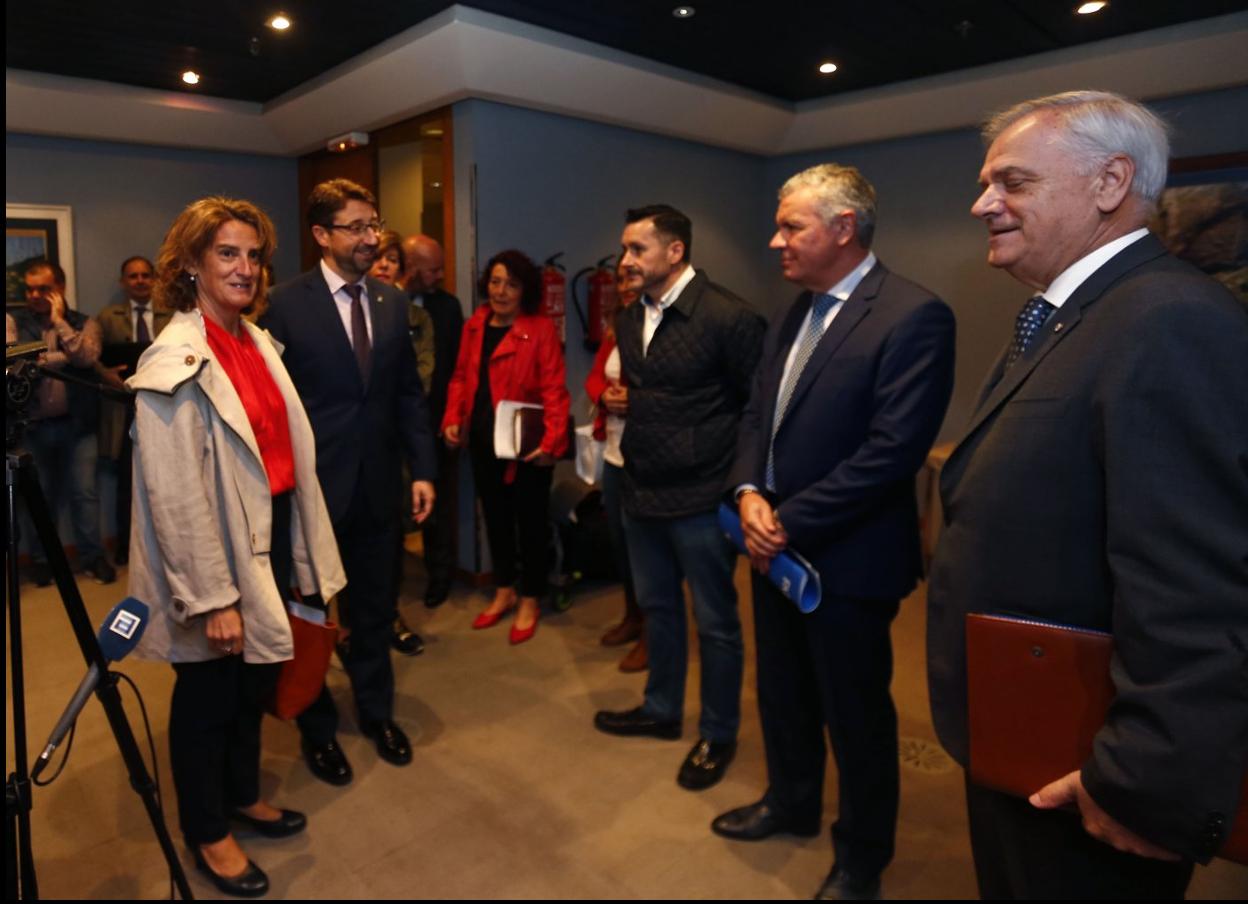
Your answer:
<point x="520" y="267"/>
<point x="190" y="237"/>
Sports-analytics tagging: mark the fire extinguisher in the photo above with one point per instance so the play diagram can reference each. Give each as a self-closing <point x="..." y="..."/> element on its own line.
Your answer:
<point x="600" y="290"/>
<point x="554" y="293"/>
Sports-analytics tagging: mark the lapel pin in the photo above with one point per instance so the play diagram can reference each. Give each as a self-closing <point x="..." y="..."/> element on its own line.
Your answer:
<point x="1057" y="328"/>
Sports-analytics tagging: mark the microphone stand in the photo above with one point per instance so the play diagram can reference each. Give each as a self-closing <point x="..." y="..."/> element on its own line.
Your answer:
<point x="21" y="482"/>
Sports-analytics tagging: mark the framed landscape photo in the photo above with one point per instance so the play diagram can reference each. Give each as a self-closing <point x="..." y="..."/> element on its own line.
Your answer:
<point x="33" y="231"/>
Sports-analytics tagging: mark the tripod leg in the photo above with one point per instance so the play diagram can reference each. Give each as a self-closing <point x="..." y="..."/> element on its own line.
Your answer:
<point x="20" y="878"/>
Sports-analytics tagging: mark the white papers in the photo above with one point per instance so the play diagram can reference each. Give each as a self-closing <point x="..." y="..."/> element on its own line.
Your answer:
<point x="507" y="428"/>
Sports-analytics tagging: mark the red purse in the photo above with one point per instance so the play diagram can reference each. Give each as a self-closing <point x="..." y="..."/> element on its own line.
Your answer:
<point x="301" y="678"/>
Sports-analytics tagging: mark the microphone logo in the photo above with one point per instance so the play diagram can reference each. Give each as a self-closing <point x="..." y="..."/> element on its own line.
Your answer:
<point x="125" y="624"/>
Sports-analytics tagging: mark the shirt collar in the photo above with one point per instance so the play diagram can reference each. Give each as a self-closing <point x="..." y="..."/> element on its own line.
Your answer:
<point x="845" y="288"/>
<point x="1077" y="273"/>
<point x="336" y="282"/>
<point x="670" y="296"/>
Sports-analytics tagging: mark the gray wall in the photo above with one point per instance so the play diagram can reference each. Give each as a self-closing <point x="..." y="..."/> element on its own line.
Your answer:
<point x="925" y="188"/>
<point x="125" y="196"/>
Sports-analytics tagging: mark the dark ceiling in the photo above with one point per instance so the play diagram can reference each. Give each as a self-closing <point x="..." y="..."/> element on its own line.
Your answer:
<point x="772" y="47"/>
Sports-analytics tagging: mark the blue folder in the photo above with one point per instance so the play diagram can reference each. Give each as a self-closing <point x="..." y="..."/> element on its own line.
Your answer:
<point x="792" y="574"/>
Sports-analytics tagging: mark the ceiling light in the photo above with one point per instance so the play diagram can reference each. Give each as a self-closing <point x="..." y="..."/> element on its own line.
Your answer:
<point x="191" y="77"/>
<point x="1087" y="9"/>
<point x="346" y="142"/>
<point x="279" y="22"/>
<point x="684" y="12"/>
<point x="827" y="68"/>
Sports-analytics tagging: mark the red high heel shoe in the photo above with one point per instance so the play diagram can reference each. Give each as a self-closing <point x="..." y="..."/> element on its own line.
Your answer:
<point x="520" y="635"/>
<point x="488" y="619"/>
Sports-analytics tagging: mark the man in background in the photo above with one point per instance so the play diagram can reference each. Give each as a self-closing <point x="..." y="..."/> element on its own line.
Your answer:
<point x="127" y="329"/>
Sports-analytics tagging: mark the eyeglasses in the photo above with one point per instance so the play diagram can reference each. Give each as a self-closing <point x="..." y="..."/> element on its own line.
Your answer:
<point x="377" y="227"/>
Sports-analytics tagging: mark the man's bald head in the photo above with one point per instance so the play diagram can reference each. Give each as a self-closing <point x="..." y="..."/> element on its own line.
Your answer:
<point x="424" y="263"/>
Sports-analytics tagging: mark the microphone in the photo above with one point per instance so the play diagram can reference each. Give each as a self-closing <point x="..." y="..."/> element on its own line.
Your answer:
<point x="119" y="634"/>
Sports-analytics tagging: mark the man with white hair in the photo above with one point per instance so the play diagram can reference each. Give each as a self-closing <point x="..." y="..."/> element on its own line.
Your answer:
<point x="1101" y="484"/>
<point x="852" y="388"/>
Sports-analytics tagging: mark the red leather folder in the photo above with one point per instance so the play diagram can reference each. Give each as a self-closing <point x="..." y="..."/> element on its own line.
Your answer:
<point x="1037" y="694"/>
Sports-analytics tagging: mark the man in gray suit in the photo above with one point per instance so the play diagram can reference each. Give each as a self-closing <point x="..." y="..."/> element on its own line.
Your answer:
<point x="1101" y="484"/>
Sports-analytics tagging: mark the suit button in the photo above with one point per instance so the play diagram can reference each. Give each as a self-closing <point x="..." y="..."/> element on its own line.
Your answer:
<point x="190" y="360"/>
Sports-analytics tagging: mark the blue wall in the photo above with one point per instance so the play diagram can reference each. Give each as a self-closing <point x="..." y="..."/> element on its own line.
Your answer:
<point x="125" y="196"/>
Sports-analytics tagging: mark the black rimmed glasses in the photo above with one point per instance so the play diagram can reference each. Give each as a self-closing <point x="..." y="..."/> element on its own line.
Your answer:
<point x="357" y="229"/>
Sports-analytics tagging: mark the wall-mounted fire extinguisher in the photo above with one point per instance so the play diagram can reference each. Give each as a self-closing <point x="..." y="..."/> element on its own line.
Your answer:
<point x="554" y="293"/>
<point x="600" y="298"/>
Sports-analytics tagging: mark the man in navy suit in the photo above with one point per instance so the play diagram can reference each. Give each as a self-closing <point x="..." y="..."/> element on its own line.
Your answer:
<point x="1101" y="483"/>
<point x="850" y="394"/>
<point x="349" y="355"/>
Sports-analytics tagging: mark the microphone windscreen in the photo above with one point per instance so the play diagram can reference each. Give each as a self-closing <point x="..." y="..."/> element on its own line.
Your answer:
<point x="122" y="628"/>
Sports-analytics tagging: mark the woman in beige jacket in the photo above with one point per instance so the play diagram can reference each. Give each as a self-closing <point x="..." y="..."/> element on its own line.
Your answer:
<point x="228" y="515"/>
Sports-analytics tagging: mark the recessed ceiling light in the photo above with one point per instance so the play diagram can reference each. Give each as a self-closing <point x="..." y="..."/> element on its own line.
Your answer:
<point x="191" y="77"/>
<point x="684" y="12"/>
<point x="827" y="68"/>
<point x="1095" y="6"/>
<point x="279" y="22"/>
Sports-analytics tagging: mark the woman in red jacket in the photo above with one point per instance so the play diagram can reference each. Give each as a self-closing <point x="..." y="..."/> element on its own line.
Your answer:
<point x="606" y="390"/>
<point x="510" y="352"/>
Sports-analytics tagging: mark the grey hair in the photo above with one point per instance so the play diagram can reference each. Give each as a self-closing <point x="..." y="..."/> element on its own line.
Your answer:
<point x="835" y="188"/>
<point x="1097" y="125"/>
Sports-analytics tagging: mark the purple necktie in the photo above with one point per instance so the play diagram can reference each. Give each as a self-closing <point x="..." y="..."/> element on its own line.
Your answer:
<point x="359" y="331"/>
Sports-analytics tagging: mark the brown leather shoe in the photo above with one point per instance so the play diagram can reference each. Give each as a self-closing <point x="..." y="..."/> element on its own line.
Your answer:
<point x="637" y="659"/>
<point x="625" y="632"/>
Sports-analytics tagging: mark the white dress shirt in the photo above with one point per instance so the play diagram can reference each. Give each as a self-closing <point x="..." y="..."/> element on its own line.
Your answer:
<point x="1077" y="273"/>
<point x="147" y="318"/>
<point x="653" y="310"/>
<point x="841" y="291"/>
<point x="343" y="300"/>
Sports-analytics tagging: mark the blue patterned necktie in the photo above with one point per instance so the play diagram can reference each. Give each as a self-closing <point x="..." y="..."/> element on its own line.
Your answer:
<point x="805" y="348"/>
<point x="1027" y="327"/>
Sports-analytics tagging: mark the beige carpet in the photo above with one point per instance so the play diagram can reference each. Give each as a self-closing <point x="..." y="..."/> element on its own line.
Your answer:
<point x="512" y="793"/>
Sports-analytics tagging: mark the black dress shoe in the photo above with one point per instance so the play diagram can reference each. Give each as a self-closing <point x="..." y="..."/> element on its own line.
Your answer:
<point x="841" y="886"/>
<point x="392" y="743"/>
<point x="705" y="764"/>
<point x="436" y="596"/>
<point x="635" y="722"/>
<point x="328" y="762"/>
<point x="251" y="883"/>
<point x="405" y="640"/>
<point x="291" y="822"/>
<point x="759" y="821"/>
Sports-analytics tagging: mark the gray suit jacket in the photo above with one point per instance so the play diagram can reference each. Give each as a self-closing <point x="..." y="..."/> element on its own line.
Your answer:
<point x="116" y="329"/>
<point x="1102" y="482"/>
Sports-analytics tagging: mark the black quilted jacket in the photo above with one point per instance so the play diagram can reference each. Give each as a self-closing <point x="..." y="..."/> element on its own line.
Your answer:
<point x="685" y="398"/>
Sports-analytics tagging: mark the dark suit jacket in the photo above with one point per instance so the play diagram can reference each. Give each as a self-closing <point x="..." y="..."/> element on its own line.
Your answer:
<point x="862" y="418"/>
<point x="116" y="329"/>
<point x="685" y="397"/>
<point x="448" y="327"/>
<point x="1102" y="482"/>
<point x="362" y="429"/>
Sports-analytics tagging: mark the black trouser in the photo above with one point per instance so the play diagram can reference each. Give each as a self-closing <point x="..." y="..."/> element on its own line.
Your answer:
<point x="370" y="545"/>
<point x="524" y="504"/>
<point x="214" y="720"/>
<point x="1023" y="852"/>
<point x="436" y="533"/>
<point x="830" y="668"/>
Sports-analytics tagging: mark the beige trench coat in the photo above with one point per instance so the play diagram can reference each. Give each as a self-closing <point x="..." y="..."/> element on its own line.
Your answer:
<point x="202" y="511"/>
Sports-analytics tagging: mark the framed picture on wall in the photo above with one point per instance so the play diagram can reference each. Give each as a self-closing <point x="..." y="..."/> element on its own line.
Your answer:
<point x="1202" y="216"/>
<point x="32" y="231"/>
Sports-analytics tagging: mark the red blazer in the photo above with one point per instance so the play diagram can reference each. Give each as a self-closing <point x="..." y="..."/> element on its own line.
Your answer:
<point x="596" y="384"/>
<point x="527" y="366"/>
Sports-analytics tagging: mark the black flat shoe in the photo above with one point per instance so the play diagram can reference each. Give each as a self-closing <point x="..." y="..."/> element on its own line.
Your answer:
<point x="328" y="762"/>
<point x="392" y="743"/>
<point x="436" y="596"/>
<point x="291" y="822"/>
<point x="759" y="821"/>
<point x="706" y="764"/>
<point x="250" y="883"/>
<point x="632" y="722"/>
<point x="405" y="640"/>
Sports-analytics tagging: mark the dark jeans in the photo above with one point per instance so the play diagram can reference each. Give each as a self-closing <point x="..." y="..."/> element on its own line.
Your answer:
<point x="65" y="458"/>
<point x="1022" y="852"/>
<point x="663" y="551"/>
<point x="370" y="545"/>
<point x="214" y="720"/>
<point x="524" y="505"/>
<point x="611" y="477"/>
<point x="830" y="669"/>
<point x="436" y="532"/>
